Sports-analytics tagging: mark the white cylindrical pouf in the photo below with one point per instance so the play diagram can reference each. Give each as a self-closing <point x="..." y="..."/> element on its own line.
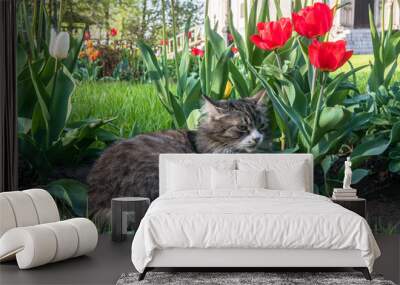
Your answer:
<point x="23" y="208"/>
<point x="33" y="246"/>
<point x="87" y="235"/>
<point x="67" y="239"/>
<point x="7" y="218"/>
<point x="45" y="205"/>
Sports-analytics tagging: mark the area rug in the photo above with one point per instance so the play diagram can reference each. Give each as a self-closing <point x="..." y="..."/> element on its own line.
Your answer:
<point x="244" y="278"/>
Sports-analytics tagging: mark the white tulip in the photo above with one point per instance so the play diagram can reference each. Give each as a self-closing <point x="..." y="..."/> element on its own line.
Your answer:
<point x="59" y="44"/>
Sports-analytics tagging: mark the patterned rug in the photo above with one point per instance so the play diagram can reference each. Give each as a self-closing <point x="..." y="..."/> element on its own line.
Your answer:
<point x="244" y="278"/>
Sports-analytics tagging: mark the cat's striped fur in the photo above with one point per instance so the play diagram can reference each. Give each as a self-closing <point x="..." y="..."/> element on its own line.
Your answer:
<point x="130" y="167"/>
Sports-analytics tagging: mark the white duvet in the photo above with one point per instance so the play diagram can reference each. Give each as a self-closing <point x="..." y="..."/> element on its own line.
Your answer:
<point x="250" y="219"/>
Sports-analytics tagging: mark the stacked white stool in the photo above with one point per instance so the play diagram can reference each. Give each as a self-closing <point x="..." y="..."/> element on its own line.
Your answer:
<point x="31" y="231"/>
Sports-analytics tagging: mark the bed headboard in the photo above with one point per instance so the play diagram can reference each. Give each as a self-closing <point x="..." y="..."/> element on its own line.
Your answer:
<point x="210" y="158"/>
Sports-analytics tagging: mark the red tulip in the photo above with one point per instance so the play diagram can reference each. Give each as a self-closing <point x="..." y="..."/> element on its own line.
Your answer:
<point x="328" y="56"/>
<point x="313" y="21"/>
<point x="189" y="35"/>
<point x="234" y="49"/>
<point x="113" y="32"/>
<point x="272" y="35"/>
<point x="86" y="36"/>
<point x="230" y="37"/>
<point x="164" y="42"/>
<point x="197" y="52"/>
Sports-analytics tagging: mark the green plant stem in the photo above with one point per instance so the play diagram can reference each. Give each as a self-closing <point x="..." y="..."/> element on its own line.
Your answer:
<point x="53" y="92"/>
<point x="279" y="63"/>
<point x="206" y="52"/>
<point x="60" y="16"/>
<point x="164" y="49"/>
<point x="317" y="113"/>
<point x="282" y="138"/>
<point x="165" y="68"/>
<point x="278" y="59"/>
<point x="313" y="82"/>
<point x="174" y="39"/>
<point x="32" y="53"/>
<point x="382" y="24"/>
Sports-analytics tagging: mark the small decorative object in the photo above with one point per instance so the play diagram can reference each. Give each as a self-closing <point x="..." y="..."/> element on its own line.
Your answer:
<point x="347" y="174"/>
<point x="126" y="214"/>
<point x="345" y="193"/>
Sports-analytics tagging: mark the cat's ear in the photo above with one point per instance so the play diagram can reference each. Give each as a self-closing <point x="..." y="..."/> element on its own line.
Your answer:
<point x="258" y="99"/>
<point x="211" y="106"/>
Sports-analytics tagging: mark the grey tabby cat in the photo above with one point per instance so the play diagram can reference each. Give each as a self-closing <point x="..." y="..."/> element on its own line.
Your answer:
<point x="130" y="167"/>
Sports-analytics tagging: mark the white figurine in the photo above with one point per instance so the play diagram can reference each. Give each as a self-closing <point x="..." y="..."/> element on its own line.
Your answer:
<point x="347" y="174"/>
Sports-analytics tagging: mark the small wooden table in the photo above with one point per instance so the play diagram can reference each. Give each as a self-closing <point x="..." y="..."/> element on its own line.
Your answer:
<point x="358" y="205"/>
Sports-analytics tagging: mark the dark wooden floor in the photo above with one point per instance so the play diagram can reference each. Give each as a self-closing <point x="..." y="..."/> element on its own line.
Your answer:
<point x="103" y="266"/>
<point x="110" y="260"/>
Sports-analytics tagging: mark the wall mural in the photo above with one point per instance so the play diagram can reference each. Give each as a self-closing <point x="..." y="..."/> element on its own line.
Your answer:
<point x="102" y="92"/>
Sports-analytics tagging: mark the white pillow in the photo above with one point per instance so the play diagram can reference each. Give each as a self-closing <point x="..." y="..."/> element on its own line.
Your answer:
<point x="223" y="179"/>
<point x="181" y="177"/>
<point x="231" y="180"/>
<point x="251" y="178"/>
<point x="293" y="179"/>
<point x="281" y="175"/>
<point x="186" y="176"/>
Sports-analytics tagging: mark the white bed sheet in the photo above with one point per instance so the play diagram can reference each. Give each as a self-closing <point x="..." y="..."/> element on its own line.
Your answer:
<point x="250" y="219"/>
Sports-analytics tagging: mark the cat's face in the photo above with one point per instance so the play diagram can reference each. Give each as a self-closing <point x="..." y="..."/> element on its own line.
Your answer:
<point x="233" y="125"/>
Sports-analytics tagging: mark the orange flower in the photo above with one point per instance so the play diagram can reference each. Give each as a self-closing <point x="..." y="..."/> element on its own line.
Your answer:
<point x="89" y="51"/>
<point x="82" y="54"/>
<point x="94" y="55"/>
<point x="89" y="43"/>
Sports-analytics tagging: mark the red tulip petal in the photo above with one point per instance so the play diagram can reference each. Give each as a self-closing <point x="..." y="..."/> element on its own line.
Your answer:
<point x="258" y="41"/>
<point x="346" y="57"/>
<point x="261" y="26"/>
<point x="313" y="21"/>
<point x="325" y="17"/>
<point x="313" y="54"/>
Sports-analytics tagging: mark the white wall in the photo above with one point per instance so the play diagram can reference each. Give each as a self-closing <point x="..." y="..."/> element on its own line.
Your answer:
<point x="217" y="12"/>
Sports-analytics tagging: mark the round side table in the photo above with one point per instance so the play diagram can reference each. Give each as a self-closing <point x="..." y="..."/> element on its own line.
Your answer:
<point x="126" y="214"/>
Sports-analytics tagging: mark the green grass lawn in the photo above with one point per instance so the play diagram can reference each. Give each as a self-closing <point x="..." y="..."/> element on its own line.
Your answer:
<point x="138" y="104"/>
<point x="358" y="60"/>
<point x="127" y="102"/>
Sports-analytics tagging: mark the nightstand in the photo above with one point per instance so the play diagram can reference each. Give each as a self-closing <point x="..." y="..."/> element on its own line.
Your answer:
<point x="358" y="206"/>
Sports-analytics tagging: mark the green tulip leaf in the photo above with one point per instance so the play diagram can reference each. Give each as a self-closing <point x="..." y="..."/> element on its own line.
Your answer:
<point x="21" y="59"/>
<point x="358" y="175"/>
<point x="238" y="80"/>
<point x="60" y="105"/>
<point x="193" y="119"/>
<point x="394" y="165"/>
<point x="331" y="117"/>
<point x="217" y="42"/>
<point x="375" y="146"/>
<point x="72" y="192"/>
<point x="219" y="76"/>
<point x="193" y="98"/>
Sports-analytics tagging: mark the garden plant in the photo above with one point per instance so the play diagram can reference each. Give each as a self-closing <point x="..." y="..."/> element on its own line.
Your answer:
<point x="316" y="100"/>
<point x="315" y="109"/>
<point x="45" y="63"/>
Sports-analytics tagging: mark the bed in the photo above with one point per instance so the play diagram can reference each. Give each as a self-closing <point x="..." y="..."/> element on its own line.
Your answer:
<point x="246" y="211"/>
